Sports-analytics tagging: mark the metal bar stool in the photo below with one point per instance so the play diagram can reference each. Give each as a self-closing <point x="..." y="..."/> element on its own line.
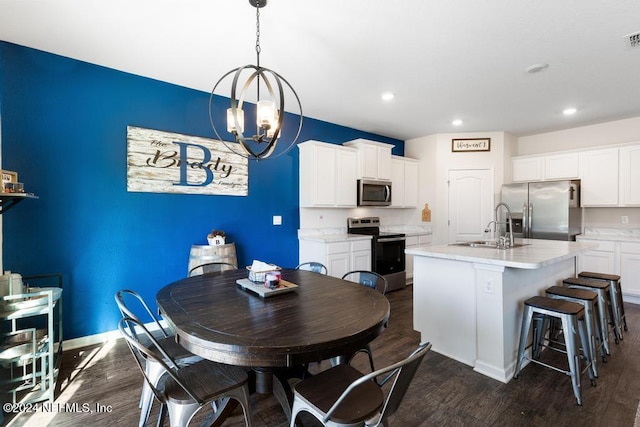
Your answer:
<point x="615" y="287"/>
<point x="538" y="309"/>
<point x="605" y="309"/>
<point x="589" y="300"/>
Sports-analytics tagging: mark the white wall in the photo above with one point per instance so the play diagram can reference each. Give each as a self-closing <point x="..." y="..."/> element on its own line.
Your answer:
<point x="437" y="159"/>
<point x="615" y="132"/>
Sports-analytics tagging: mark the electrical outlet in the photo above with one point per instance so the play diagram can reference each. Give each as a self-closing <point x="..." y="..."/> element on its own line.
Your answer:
<point x="488" y="286"/>
<point x="624" y="219"/>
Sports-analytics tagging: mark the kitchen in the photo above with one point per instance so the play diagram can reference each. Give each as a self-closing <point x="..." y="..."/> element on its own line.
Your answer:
<point x="100" y="231"/>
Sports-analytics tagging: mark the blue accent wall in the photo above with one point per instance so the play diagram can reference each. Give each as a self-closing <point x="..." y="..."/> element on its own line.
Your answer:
<point x="64" y="130"/>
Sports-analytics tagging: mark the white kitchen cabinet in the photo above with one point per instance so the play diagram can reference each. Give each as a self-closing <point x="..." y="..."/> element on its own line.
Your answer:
<point x="601" y="260"/>
<point x="327" y="175"/>
<point x="404" y="181"/>
<point x="599" y="173"/>
<point x="630" y="268"/>
<point x="414" y="242"/>
<point x="339" y="257"/>
<point x="630" y="176"/>
<point x="526" y="169"/>
<point x="374" y="158"/>
<point x="545" y="168"/>
<point x="561" y="166"/>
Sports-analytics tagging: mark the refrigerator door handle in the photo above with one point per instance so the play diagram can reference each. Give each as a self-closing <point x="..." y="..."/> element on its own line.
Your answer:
<point x="525" y="221"/>
<point x="530" y="219"/>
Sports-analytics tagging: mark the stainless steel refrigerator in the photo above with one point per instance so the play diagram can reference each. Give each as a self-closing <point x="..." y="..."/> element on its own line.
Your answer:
<point x="543" y="210"/>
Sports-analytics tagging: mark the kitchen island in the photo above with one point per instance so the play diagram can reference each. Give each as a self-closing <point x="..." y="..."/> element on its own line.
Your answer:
<point x="468" y="301"/>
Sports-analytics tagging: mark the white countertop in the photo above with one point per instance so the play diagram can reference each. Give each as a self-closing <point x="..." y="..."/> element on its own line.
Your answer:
<point x="610" y="234"/>
<point x="328" y="238"/>
<point x="337" y="234"/>
<point x="537" y="254"/>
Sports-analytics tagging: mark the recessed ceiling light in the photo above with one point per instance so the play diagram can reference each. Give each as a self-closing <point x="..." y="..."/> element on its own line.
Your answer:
<point x="388" y="96"/>
<point x="536" y="68"/>
<point x="456" y="122"/>
<point x="569" y="111"/>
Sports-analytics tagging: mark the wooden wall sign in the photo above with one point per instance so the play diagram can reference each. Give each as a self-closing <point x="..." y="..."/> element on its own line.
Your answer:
<point x="164" y="162"/>
<point x="470" y="144"/>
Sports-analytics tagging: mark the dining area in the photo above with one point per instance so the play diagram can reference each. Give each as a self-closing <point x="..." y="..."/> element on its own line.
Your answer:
<point x="227" y="338"/>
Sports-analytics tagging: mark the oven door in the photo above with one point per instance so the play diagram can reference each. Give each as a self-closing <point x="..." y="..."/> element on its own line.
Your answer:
<point x="389" y="255"/>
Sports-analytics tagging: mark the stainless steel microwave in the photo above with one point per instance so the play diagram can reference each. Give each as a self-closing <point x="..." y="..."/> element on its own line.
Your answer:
<point x="374" y="192"/>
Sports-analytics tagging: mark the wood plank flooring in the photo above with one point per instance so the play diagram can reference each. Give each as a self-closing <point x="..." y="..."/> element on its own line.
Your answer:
<point x="444" y="392"/>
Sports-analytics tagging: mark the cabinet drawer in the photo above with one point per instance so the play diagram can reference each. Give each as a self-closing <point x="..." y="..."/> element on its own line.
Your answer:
<point x="602" y="245"/>
<point x="361" y="245"/>
<point x="338" y="248"/>
<point x="630" y="248"/>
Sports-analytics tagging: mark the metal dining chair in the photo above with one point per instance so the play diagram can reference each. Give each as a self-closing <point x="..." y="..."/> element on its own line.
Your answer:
<point x="316" y="267"/>
<point x="374" y="281"/>
<point x="186" y="389"/>
<point x="126" y="299"/>
<point x="343" y="396"/>
<point x="211" y="267"/>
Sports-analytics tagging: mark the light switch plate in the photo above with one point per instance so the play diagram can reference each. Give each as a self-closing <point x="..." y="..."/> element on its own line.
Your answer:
<point x="277" y="220"/>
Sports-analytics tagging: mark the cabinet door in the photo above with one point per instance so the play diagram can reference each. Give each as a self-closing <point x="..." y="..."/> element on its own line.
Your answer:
<point x="630" y="176"/>
<point x="361" y="260"/>
<point x="410" y="183"/>
<point x="368" y="159"/>
<point x="599" y="177"/>
<point x="561" y="166"/>
<point x="346" y="183"/>
<point x="384" y="163"/>
<point x="630" y="268"/>
<point x="338" y="264"/>
<point x="526" y="169"/>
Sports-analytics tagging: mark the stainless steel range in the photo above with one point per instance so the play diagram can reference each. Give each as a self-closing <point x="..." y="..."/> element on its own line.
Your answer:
<point x="387" y="250"/>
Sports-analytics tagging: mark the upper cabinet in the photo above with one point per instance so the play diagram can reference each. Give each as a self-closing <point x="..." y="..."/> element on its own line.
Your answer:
<point x="550" y="167"/>
<point x="630" y="175"/>
<point x="404" y="182"/>
<point x="374" y="159"/>
<point x="327" y="175"/>
<point x="599" y="175"/>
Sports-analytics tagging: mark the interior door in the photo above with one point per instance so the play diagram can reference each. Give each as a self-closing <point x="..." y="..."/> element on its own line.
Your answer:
<point x="470" y="203"/>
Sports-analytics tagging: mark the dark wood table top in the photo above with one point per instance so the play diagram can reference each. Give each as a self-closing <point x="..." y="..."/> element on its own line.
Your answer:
<point x="325" y="317"/>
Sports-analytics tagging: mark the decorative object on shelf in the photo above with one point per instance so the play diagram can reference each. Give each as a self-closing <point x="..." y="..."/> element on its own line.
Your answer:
<point x="10" y="182"/>
<point x="269" y="111"/>
<point x="216" y="237"/>
<point x="470" y="144"/>
<point x="426" y="213"/>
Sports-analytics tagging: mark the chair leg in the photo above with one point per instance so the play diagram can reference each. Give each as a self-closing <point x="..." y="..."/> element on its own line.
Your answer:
<point x="587" y="350"/>
<point x="154" y="372"/>
<point x="180" y="415"/>
<point x="524" y="335"/>
<point x="570" y="327"/>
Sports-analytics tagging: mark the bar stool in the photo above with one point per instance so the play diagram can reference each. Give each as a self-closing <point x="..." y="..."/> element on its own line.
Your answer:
<point x="538" y="309"/>
<point x="589" y="300"/>
<point x="605" y="310"/>
<point x="615" y="288"/>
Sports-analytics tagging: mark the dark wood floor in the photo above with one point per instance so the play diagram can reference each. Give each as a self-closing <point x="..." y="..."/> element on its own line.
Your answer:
<point x="444" y="392"/>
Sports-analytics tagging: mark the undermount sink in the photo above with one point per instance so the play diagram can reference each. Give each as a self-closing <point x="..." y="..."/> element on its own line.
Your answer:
<point x="491" y="244"/>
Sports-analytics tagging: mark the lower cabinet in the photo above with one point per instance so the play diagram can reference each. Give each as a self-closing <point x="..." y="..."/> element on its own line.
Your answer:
<point x="613" y="257"/>
<point x="414" y="242"/>
<point x="339" y="257"/>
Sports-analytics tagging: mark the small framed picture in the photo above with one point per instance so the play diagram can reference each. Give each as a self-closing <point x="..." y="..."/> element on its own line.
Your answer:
<point x="470" y="144"/>
<point x="9" y="176"/>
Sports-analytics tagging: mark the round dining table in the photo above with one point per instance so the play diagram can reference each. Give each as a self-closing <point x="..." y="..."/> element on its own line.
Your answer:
<point x="319" y="318"/>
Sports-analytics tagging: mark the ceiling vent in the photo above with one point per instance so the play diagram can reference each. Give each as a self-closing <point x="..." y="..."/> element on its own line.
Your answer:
<point x="633" y="39"/>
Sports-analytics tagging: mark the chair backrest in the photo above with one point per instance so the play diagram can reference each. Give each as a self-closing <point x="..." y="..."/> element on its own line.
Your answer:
<point x="125" y="296"/>
<point x="211" y="267"/>
<point x="154" y="352"/>
<point x="367" y="278"/>
<point x="401" y="373"/>
<point x="316" y="267"/>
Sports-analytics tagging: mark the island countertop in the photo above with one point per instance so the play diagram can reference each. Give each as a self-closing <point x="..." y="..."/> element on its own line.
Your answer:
<point x="536" y="254"/>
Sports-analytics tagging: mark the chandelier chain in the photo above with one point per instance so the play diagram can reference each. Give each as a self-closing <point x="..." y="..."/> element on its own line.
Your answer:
<point x="258" y="49"/>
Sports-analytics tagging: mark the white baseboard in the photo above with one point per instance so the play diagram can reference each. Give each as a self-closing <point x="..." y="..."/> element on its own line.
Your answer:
<point x="102" y="338"/>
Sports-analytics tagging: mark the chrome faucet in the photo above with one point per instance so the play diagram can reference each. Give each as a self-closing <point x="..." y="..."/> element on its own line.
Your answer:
<point x="509" y="221"/>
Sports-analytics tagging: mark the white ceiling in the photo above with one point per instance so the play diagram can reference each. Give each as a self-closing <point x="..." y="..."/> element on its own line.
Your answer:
<point x="443" y="59"/>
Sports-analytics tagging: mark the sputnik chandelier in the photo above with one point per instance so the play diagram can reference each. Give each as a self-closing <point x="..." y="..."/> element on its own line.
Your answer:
<point x="269" y="107"/>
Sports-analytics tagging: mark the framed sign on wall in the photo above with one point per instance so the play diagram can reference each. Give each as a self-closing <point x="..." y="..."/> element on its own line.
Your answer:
<point x="165" y="162"/>
<point x="470" y="144"/>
